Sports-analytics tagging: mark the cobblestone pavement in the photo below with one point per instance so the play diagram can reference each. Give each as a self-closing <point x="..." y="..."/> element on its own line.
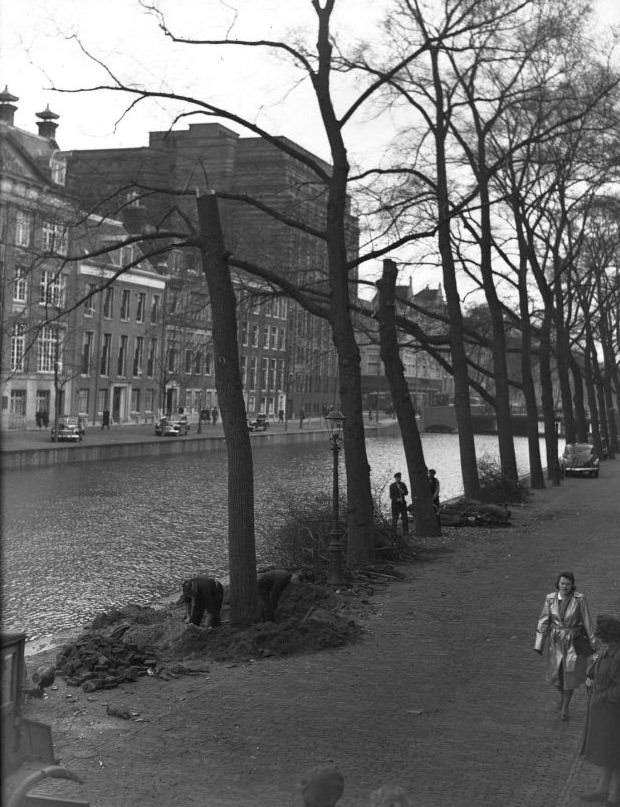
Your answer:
<point x="444" y="696"/>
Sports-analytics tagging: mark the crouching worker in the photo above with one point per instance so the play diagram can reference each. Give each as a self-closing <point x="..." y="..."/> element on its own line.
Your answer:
<point x="202" y="594"/>
<point x="271" y="584"/>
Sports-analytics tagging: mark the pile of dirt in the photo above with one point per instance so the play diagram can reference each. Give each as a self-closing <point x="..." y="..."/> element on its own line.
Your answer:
<point x="310" y="617"/>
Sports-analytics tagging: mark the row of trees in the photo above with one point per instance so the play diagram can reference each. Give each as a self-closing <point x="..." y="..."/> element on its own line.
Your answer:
<point x="501" y="173"/>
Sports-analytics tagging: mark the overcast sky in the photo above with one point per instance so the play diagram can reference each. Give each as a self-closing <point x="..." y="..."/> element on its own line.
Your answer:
<point x="37" y="51"/>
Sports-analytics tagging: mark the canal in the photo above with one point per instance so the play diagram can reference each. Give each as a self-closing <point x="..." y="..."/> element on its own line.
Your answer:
<point x="80" y="539"/>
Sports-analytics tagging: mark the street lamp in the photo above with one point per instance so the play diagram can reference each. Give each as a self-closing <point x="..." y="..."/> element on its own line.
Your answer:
<point x="335" y="427"/>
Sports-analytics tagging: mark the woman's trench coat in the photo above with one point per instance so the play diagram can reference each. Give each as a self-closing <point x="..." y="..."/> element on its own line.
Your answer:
<point x="601" y="743"/>
<point x="558" y="634"/>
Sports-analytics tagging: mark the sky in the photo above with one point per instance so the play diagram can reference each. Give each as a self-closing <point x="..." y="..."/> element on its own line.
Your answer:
<point x="39" y="49"/>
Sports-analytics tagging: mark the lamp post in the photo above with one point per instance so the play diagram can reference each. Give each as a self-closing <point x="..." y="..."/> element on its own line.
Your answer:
<point x="335" y="427"/>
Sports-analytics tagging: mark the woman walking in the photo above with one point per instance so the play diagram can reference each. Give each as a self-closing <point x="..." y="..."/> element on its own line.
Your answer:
<point x="601" y="743"/>
<point x="565" y="619"/>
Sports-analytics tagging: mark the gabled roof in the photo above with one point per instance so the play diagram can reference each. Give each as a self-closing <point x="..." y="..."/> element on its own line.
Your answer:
<point x="26" y="155"/>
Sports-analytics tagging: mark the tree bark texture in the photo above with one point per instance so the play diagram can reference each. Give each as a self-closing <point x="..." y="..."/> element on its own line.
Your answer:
<point x="241" y="539"/>
<point x="426" y="522"/>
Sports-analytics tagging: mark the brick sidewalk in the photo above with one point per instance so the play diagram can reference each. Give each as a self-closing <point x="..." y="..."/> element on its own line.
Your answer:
<point x="444" y="696"/>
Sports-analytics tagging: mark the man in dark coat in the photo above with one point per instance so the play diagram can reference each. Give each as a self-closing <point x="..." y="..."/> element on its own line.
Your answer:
<point x="601" y="743"/>
<point x="398" y="494"/>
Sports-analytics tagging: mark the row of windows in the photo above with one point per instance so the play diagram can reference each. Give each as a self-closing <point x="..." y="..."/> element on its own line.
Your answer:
<point x="130" y="303"/>
<point x="52" y="287"/>
<point x="54" y="235"/>
<point x="269" y="375"/>
<point x="48" y="349"/>
<point x="141" y="361"/>
<point x="272" y="337"/>
<point x="195" y="362"/>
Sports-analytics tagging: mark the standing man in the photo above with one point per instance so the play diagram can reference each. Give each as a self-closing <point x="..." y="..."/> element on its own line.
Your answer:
<point x="105" y="421"/>
<point x="398" y="494"/>
<point x="302" y="417"/>
<point x="434" y="485"/>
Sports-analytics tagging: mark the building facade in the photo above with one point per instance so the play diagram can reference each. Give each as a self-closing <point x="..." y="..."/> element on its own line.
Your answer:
<point x="287" y="357"/>
<point x="79" y="336"/>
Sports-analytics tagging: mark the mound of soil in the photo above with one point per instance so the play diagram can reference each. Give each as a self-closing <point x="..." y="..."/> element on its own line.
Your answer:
<point x="123" y="644"/>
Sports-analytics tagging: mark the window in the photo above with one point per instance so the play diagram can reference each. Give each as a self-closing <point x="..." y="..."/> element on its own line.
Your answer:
<point x="281" y="338"/>
<point x="254" y="341"/>
<point x="155" y="309"/>
<point x="274" y="338"/>
<point x="128" y="254"/>
<point x="172" y="359"/>
<point x="125" y="304"/>
<point x="243" y="368"/>
<point x="21" y="285"/>
<point x="47" y="349"/>
<point x="52" y="289"/>
<point x="23" y="228"/>
<point x="244" y="333"/>
<point x="58" y="169"/>
<point x="188" y="361"/>
<point x="83" y="400"/>
<point x="138" y="354"/>
<point x="150" y="365"/>
<point x="198" y="363"/>
<point x="106" y="350"/>
<point x="208" y="360"/>
<point x="135" y="400"/>
<point x="272" y="374"/>
<point x="121" y="361"/>
<point x="54" y="237"/>
<point x="266" y="336"/>
<point x="18" y="338"/>
<point x="18" y="402"/>
<point x="140" y="307"/>
<point x="102" y="400"/>
<point x="108" y="302"/>
<point x="149" y="398"/>
<point x="280" y="375"/>
<point x="252" y="373"/>
<point x="89" y="303"/>
<point x="264" y="370"/>
<point x="87" y="352"/>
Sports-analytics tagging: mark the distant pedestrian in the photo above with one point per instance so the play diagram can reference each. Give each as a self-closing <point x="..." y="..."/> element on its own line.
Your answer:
<point x="370" y="415"/>
<point x="214" y="415"/>
<point x="38" y="419"/>
<point x="302" y="417"/>
<point x="281" y="415"/>
<point x="435" y="488"/>
<point x="601" y="742"/>
<point x="45" y="418"/>
<point x="564" y="618"/>
<point x="398" y="499"/>
<point x="105" y="420"/>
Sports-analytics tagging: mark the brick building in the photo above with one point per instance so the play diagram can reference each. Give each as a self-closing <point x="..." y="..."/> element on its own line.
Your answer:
<point x="68" y="347"/>
<point x="287" y="356"/>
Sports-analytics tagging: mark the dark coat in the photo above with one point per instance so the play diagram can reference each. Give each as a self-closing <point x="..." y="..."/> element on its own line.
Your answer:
<point x="601" y="742"/>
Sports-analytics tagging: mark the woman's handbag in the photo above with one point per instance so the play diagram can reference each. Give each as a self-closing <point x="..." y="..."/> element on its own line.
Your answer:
<point x="582" y="644"/>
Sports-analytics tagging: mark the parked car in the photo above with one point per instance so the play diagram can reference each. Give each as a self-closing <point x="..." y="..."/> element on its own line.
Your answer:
<point x="71" y="429"/>
<point x="259" y="424"/>
<point x="579" y="459"/>
<point x="172" y="426"/>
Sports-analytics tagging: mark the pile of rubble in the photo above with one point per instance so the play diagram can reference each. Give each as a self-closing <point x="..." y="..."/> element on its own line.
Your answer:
<point x="471" y="513"/>
<point x="95" y="661"/>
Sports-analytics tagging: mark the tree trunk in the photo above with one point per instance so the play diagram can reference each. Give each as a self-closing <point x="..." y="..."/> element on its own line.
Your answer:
<point x="462" y="408"/>
<point x="581" y="425"/>
<point x="551" y="436"/>
<point x="241" y="541"/>
<point x="426" y="521"/>
<point x="537" y="477"/>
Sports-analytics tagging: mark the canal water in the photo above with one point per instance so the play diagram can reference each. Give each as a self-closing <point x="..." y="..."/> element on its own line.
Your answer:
<point x="80" y="539"/>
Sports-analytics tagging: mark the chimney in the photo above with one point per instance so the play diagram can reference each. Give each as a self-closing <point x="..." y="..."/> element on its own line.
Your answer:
<point x="47" y="127"/>
<point x="7" y="107"/>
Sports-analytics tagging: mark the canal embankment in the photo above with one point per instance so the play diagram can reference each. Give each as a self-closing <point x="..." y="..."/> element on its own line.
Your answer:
<point x="23" y="449"/>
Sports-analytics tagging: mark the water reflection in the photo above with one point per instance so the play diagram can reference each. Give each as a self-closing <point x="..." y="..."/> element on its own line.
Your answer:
<point x="83" y="538"/>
